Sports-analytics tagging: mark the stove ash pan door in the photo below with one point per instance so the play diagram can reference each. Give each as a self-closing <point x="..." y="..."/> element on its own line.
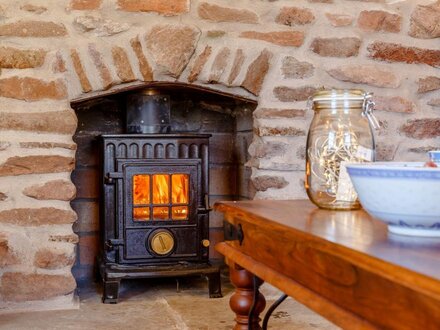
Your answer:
<point x="162" y="220"/>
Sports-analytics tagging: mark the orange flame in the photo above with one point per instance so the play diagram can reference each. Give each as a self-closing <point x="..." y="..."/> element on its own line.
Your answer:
<point x="160" y="187"/>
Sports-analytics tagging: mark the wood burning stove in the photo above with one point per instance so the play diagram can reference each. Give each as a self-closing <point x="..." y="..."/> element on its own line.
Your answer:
<point x="155" y="210"/>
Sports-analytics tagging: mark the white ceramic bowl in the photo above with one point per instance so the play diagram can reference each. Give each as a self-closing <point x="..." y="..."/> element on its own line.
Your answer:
<point x="404" y="195"/>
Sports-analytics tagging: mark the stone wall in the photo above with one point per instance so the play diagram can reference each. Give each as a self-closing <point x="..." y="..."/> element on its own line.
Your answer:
<point x="275" y="52"/>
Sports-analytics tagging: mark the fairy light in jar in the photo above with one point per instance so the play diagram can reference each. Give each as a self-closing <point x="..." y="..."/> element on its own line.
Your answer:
<point x="329" y="151"/>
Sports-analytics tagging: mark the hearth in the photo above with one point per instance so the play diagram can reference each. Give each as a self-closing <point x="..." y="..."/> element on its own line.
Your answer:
<point x="154" y="202"/>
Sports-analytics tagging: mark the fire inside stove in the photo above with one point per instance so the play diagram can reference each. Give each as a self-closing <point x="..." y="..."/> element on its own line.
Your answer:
<point x="160" y="197"/>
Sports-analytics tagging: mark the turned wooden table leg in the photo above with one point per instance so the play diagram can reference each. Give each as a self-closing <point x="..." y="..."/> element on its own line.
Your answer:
<point x="241" y="301"/>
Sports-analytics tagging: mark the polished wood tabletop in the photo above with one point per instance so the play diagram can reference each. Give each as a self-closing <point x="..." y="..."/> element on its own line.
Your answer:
<point x="343" y="264"/>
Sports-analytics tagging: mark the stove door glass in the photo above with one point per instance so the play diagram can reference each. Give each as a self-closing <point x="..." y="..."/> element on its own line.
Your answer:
<point x="160" y="206"/>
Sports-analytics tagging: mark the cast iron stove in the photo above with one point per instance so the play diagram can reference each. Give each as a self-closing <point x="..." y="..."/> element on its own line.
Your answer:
<point x="155" y="209"/>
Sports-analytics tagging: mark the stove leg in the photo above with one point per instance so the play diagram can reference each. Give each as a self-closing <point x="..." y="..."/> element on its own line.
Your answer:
<point x="247" y="302"/>
<point x="111" y="291"/>
<point x="215" y="285"/>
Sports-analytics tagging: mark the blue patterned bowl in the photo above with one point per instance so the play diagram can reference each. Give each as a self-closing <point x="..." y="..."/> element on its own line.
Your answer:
<point x="434" y="155"/>
<point x="406" y="196"/>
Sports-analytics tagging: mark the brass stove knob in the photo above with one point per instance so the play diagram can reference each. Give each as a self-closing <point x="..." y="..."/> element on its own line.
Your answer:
<point x="205" y="242"/>
<point x="162" y="242"/>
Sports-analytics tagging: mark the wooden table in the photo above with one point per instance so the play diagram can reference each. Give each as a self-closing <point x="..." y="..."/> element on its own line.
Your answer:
<point x="342" y="264"/>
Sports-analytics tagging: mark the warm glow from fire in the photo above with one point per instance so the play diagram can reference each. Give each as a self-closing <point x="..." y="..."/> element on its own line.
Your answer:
<point x="141" y="189"/>
<point x="180" y="188"/>
<point x="160" y="188"/>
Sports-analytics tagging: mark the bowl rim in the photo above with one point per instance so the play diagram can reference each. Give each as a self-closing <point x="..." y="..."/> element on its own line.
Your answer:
<point x="399" y="166"/>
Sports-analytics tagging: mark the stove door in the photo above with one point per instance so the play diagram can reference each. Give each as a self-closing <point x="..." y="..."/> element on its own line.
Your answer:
<point x="160" y="210"/>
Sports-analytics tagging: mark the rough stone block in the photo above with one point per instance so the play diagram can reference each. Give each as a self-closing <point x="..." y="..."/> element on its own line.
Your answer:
<point x="391" y="52"/>
<point x="163" y="7"/>
<point x="172" y="46"/>
<point x="56" y="189"/>
<point x="99" y="26"/>
<point x="47" y="145"/>
<point x="71" y="238"/>
<point x="102" y="68"/>
<point x="36" y="164"/>
<point x="272" y="113"/>
<point x="7" y="255"/>
<point x="394" y="104"/>
<point x="339" y="19"/>
<point x="59" y="65"/>
<point x="37" y="217"/>
<point x="428" y="84"/>
<point x="291" y="94"/>
<point x="336" y="47"/>
<point x="280" y="131"/>
<point x="423" y="128"/>
<point x="292" y="68"/>
<point x="264" y="182"/>
<point x="85" y="4"/>
<point x="199" y="63"/>
<point x="422" y="149"/>
<point x="425" y="21"/>
<point x="14" y="58"/>
<point x="215" y="33"/>
<point x="61" y="122"/>
<point x="218" y="67"/>
<point x="38" y="29"/>
<point x="53" y="259"/>
<point x="122" y="64"/>
<point x="32" y="89"/>
<point x="256" y="72"/>
<point x="295" y="16"/>
<point x="236" y="66"/>
<point x="434" y="102"/>
<point x="378" y="20"/>
<point x="144" y="66"/>
<point x="80" y="72"/>
<point x="366" y="74"/>
<point x="33" y="8"/>
<point x="281" y="38"/>
<point x="261" y="149"/>
<point x="4" y="145"/>
<point x="31" y="286"/>
<point x="217" y="13"/>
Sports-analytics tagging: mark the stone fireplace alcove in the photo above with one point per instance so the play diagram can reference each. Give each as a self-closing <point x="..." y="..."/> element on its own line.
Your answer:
<point x="271" y="54"/>
<point x="194" y="109"/>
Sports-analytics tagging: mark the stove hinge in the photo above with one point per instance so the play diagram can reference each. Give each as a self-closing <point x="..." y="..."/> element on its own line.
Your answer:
<point x="206" y="207"/>
<point x="110" y="177"/>
<point x="110" y="244"/>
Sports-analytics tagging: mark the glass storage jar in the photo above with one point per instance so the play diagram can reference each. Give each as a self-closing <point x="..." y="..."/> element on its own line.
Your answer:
<point x="340" y="132"/>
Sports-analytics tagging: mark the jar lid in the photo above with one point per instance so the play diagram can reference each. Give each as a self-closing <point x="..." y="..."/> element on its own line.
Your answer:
<point x="340" y="94"/>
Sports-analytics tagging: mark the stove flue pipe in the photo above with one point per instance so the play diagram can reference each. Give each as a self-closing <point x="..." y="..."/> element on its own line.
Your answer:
<point x="148" y="112"/>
